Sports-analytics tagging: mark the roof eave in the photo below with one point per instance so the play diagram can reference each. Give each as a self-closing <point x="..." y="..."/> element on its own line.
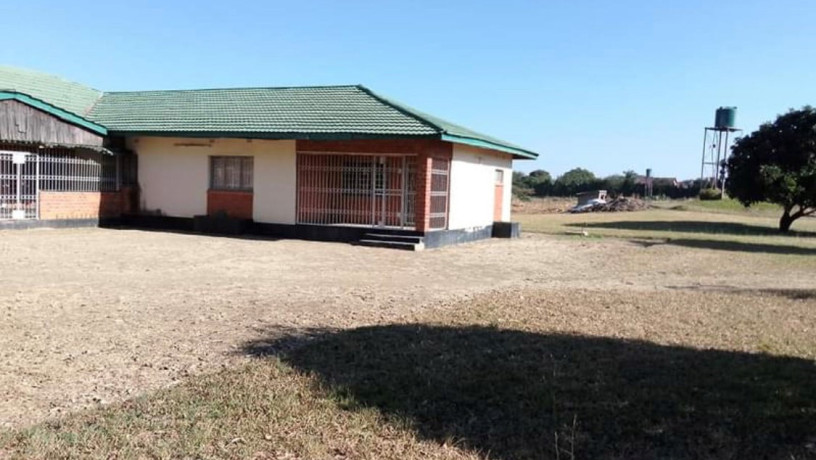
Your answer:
<point x="64" y="115"/>
<point x="268" y="135"/>
<point x="519" y="154"/>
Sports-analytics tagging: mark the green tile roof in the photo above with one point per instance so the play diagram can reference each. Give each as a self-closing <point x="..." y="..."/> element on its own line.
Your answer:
<point x="66" y="95"/>
<point x="53" y="110"/>
<point x="318" y="112"/>
<point x="331" y="109"/>
<point x="456" y="133"/>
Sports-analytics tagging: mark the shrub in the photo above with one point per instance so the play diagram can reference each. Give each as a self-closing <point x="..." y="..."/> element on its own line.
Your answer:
<point x="710" y="194"/>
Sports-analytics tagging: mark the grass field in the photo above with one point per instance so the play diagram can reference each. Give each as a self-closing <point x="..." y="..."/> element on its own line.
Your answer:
<point x="692" y="225"/>
<point x="728" y="206"/>
<point x="560" y="374"/>
<point x="665" y="333"/>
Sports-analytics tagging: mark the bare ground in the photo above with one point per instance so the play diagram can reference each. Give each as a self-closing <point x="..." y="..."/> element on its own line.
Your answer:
<point x="95" y="316"/>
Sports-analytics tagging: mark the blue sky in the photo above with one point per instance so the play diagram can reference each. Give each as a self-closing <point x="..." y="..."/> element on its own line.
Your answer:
<point x="606" y="85"/>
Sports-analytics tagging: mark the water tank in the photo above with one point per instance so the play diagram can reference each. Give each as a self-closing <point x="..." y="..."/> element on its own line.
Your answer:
<point x="726" y="118"/>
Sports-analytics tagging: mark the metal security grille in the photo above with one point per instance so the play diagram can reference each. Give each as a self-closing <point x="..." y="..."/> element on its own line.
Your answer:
<point x="18" y="185"/>
<point x="73" y="172"/>
<point x="23" y="175"/>
<point x="440" y="183"/>
<point x="370" y="190"/>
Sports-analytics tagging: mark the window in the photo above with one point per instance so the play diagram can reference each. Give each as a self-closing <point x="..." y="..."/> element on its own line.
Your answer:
<point x="231" y="173"/>
<point x="499" y="177"/>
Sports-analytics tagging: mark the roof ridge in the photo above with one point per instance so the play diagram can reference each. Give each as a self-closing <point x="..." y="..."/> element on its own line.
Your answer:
<point x="402" y="109"/>
<point x="228" y="89"/>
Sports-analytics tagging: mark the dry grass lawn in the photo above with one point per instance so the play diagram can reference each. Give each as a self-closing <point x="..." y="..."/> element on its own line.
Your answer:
<point x="663" y="334"/>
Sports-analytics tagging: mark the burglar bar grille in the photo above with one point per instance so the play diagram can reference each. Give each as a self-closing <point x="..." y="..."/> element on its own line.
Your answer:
<point x="370" y="190"/>
<point x="18" y="186"/>
<point x="23" y="175"/>
<point x="440" y="173"/>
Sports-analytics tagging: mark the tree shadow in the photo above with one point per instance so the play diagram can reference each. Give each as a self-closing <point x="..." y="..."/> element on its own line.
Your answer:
<point x="724" y="245"/>
<point x="692" y="226"/>
<point x="792" y="294"/>
<point x="515" y="394"/>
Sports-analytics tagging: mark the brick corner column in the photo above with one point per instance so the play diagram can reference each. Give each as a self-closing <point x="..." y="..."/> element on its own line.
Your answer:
<point x="423" y="193"/>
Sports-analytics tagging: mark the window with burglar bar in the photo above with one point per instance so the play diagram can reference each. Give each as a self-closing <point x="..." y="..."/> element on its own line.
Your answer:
<point x="231" y="173"/>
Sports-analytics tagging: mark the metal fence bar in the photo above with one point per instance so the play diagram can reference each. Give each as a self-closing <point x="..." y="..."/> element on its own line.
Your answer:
<point x="56" y="169"/>
<point x="355" y="189"/>
<point x="440" y="184"/>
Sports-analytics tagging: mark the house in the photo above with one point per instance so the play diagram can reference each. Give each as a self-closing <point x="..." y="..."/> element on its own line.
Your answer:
<point x="327" y="163"/>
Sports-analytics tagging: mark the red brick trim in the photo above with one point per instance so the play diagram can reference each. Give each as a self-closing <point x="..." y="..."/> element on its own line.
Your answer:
<point x="235" y="203"/>
<point x="85" y="205"/>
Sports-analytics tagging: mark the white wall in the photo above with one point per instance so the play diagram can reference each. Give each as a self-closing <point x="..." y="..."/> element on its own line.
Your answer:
<point x="174" y="175"/>
<point x="472" y="186"/>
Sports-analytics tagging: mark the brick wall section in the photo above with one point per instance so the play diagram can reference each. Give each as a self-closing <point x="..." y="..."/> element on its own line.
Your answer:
<point x="425" y="149"/>
<point x="85" y="205"/>
<point x="234" y="203"/>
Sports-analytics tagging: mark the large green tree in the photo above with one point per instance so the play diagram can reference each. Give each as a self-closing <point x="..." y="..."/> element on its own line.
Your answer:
<point x="777" y="163"/>
<point x="575" y="180"/>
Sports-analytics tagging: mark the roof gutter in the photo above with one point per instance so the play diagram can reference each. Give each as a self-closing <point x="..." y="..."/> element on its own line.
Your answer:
<point x="516" y="152"/>
<point x="55" y="111"/>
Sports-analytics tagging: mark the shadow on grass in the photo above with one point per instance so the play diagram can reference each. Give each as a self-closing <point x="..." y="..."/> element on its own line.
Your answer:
<point x="692" y="226"/>
<point x="514" y="394"/>
<point x="725" y="245"/>
<point x="721" y="245"/>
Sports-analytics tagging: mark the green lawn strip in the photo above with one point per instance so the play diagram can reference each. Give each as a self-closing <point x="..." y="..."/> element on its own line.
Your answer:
<point x="743" y="231"/>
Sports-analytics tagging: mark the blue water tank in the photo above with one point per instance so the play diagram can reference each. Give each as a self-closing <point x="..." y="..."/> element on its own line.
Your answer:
<point x="726" y="118"/>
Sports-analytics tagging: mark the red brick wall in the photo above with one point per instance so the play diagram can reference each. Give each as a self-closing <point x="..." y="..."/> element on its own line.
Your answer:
<point x="234" y="203"/>
<point x="85" y="205"/>
<point x="417" y="146"/>
<point x="69" y="205"/>
<point x="425" y="149"/>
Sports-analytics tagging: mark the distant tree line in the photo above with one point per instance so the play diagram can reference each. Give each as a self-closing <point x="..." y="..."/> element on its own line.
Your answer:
<point x="577" y="180"/>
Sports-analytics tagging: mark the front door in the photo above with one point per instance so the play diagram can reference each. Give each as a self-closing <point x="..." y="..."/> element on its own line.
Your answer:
<point x="498" y="195"/>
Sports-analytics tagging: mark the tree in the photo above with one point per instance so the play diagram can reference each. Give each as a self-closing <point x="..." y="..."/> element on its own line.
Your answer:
<point x="541" y="181"/>
<point x="541" y="176"/>
<point x="777" y="163"/>
<point x="574" y="181"/>
<point x="613" y="184"/>
<point x="629" y="182"/>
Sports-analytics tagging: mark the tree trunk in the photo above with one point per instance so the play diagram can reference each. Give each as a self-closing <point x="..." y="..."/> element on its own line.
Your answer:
<point x="786" y="221"/>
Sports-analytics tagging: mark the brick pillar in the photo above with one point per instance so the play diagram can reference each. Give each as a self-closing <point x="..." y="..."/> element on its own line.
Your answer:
<point x="423" y="192"/>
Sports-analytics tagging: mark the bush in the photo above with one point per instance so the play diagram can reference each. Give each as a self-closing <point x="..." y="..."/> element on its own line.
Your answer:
<point x="710" y="194"/>
<point x="521" y="194"/>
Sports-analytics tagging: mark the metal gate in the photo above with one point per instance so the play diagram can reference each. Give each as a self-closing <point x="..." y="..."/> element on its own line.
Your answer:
<point x="19" y="185"/>
<point x="369" y="190"/>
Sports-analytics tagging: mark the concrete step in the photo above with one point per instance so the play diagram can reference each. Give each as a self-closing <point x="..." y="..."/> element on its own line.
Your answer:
<point x="392" y="237"/>
<point x="388" y="244"/>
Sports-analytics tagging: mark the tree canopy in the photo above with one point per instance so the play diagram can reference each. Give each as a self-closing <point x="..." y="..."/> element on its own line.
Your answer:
<point x="777" y="163"/>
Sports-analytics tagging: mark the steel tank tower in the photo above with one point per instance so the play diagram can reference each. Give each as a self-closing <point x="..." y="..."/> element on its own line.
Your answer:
<point x="715" y="148"/>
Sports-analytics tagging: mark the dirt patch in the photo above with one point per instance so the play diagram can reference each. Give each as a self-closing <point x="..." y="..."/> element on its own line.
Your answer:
<point x="96" y="316"/>
<point x="548" y="205"/>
